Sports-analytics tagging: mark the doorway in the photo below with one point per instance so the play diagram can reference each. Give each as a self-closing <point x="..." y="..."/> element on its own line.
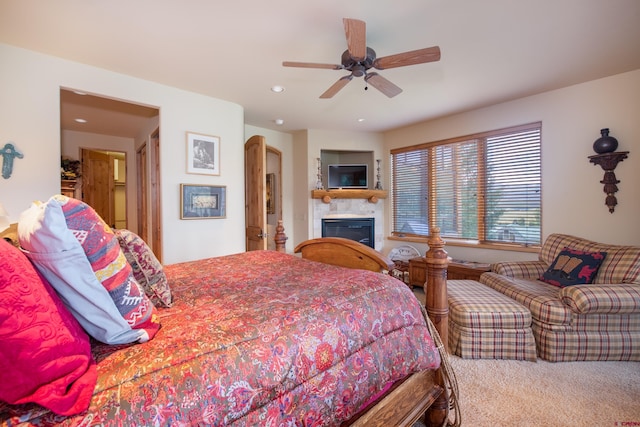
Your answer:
<point x="102" y="124"/>
<point x="104" y="185"/>
<point x="263" y="193"/>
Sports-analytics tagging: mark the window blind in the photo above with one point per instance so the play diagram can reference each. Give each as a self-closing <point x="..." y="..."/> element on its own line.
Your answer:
<point x="513" y="188"/>
<point x="410" y="183"/>
<point x="485" y="187"/>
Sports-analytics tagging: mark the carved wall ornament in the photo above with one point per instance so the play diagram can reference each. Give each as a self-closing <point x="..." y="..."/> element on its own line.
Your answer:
<point x="9" y="153"/>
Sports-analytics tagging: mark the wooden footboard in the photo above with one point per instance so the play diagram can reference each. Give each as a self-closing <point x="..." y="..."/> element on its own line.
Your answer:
<point x="345" y="253"/>
<point x="424" y="391"/>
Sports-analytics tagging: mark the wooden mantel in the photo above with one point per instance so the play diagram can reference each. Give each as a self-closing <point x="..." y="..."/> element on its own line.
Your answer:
<point x="371" y="195"/>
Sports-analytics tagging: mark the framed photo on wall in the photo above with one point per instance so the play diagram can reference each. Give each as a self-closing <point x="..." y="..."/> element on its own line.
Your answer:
<point x="203" y="154"/>
<point x="202" y="201"/>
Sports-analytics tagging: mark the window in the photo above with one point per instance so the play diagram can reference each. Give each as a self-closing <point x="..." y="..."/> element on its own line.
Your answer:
<point x="483" y="188"/>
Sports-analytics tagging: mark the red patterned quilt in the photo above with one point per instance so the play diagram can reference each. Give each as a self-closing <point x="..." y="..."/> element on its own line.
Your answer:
<point x="257" y="338"/>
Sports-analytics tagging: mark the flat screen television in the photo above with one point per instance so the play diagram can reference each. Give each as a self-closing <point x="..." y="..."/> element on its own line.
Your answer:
<point x="348" y="176"/>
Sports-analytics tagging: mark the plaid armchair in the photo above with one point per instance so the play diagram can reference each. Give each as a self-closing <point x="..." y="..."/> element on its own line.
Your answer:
<point x="596" y="321"/>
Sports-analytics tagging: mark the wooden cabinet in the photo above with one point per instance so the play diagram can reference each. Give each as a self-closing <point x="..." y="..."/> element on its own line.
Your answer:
<point x="417" y="271"/>
<point x="68" y="187"/>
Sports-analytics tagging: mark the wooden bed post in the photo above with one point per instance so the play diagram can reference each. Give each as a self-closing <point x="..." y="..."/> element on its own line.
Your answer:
<point x="435" y="289"/>
<point x="280" y="238"/>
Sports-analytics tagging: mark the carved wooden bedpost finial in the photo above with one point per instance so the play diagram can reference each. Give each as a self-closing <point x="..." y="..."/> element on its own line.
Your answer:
<point x="280" y="238"/>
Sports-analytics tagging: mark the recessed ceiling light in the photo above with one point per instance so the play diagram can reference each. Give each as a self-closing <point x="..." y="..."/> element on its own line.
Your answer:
<point x="361" y="120"/>
<point x="277" y="89"/>
<point x="279" y="122"/>
<point x="80" y="120"/>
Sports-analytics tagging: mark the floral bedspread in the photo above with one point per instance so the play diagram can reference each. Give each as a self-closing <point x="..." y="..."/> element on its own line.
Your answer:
<point x="257" y="338"/>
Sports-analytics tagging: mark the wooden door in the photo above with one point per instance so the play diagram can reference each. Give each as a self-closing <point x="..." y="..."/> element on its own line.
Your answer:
<point x="156" y="200"/>
<point x="255" y="164"/>
<point x="98" y="184"/>
<point x="142" y="211"/>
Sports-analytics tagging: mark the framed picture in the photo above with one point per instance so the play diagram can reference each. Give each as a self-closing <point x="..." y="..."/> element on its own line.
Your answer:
<point x="271" y="203"/>
<point x="202" y="201"/>
<point x="203" y="154"/>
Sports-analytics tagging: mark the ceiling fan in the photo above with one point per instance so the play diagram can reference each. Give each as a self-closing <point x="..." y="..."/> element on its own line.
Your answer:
<point x="359" y="59"/>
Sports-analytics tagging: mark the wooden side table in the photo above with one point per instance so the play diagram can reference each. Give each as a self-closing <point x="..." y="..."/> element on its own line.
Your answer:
<point x="68" y="187"/>
<point x="458" y="270"/>
<point x="417" y="271"/>
<point x="400" y="256"/>
<point x="466" y="270"/>
<point x="400" y="271"/>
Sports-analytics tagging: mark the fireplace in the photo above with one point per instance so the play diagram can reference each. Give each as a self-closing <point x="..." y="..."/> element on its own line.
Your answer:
<point x="359" y="229"/>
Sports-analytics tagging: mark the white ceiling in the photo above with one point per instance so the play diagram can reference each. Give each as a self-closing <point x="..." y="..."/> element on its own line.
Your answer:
<point x="492" y="50"/>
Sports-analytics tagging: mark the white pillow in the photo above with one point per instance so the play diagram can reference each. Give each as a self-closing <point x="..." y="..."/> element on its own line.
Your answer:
<point x="61" y="259"/>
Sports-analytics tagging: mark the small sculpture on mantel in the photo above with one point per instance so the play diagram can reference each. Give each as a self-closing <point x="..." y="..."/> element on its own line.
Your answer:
<point x="378" y="176"/>
<point x="608" y="159"/>
<point x="319" y="185"/>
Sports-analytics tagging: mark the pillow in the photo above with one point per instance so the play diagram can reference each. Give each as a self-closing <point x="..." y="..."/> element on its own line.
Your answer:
<point x="80" y="256"/>
<point x="45" y="356"/>
<point x="573" y="267"/>
<point x="146" y="268"/>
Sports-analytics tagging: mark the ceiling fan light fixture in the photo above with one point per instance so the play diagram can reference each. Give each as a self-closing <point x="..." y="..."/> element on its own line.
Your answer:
<point x="358" y="70"/>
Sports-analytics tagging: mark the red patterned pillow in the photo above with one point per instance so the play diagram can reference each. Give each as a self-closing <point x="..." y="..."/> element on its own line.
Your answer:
<point x="110" y="265"/>
<point x="573" y="267"/>
<point x="146" y="268"/>
<point x="45" y="356"/>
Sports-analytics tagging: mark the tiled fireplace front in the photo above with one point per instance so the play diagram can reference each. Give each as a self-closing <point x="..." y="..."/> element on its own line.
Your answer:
<point x="349" y="208"/>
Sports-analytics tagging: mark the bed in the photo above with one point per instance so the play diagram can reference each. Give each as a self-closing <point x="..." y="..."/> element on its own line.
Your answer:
<point x="270" y="338"/>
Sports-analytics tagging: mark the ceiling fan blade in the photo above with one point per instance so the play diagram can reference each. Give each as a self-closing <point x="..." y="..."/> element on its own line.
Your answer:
<point x="312" y="65"/>
<point x="335" y="88"/>
<point x="420" y="56"/>
<point x="382" y="84"/>
<point x="356" y="32"/>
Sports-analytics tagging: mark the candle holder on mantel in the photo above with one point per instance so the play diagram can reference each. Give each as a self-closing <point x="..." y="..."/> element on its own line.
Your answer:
<point x="378" y="176"/>
<point x="319" y="185"/>
<point x="608" y="159"/>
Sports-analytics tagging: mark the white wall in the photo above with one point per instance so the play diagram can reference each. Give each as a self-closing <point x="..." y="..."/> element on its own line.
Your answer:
<point x="30" y="118"/>
<point x="572" y="195"/>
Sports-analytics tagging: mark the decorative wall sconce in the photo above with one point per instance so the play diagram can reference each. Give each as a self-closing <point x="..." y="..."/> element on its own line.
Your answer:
<point x="608" y="159"/>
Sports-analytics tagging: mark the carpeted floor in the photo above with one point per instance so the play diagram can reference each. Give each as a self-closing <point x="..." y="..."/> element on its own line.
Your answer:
<point x="518" y="393"/>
